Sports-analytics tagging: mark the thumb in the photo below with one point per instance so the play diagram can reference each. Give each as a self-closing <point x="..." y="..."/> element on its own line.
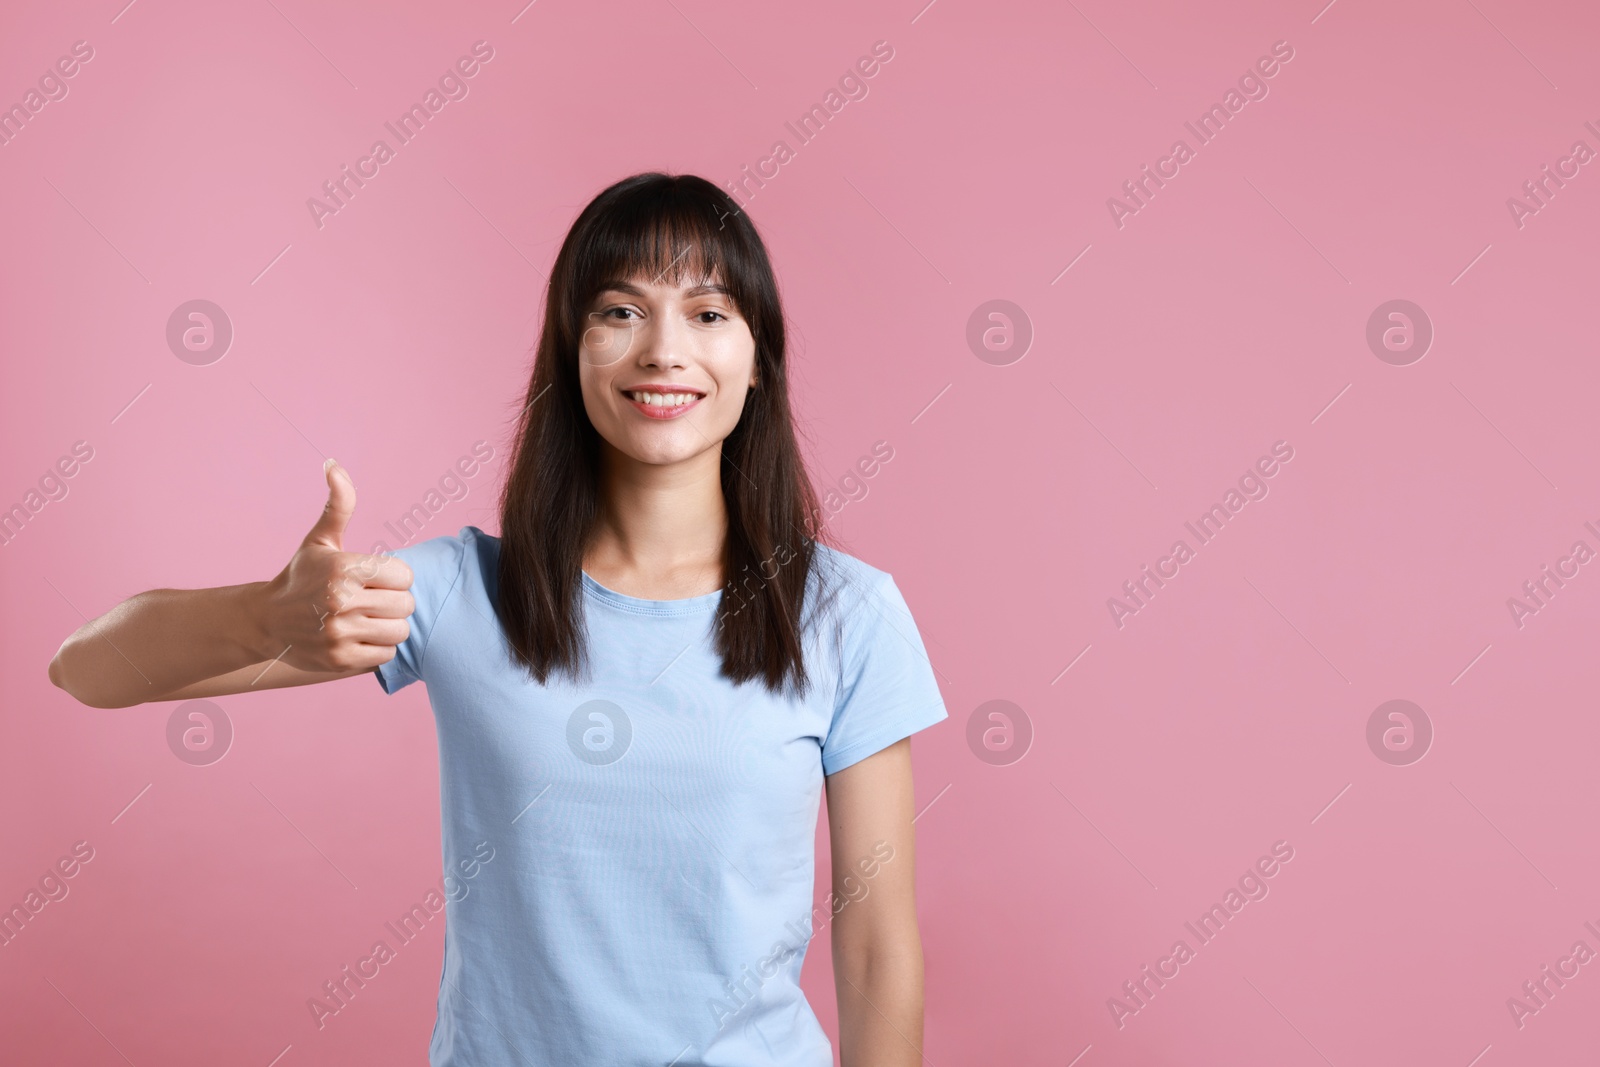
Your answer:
<point x="329" y="530"/>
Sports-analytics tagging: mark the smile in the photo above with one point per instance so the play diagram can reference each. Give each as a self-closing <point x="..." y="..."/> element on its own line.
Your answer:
<point x="666" y="402"/>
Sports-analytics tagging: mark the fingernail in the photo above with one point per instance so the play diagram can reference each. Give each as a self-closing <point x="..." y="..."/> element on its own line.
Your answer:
<point x="327" y="464"/>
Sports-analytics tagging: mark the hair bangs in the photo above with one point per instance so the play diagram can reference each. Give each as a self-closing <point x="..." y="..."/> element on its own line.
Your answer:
<point x="664" y="234"/>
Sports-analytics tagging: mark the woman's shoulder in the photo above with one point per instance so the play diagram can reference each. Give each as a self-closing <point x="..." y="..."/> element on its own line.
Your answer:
<point x="468" y="538"/>
<point x="478" y="541"/>
<point x="838" y="564"/>
<point x="445" y="555"/>
<point x="843" y="585"/>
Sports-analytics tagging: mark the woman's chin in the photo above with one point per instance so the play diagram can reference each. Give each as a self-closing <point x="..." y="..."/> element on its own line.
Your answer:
<point x="664" y="453"/>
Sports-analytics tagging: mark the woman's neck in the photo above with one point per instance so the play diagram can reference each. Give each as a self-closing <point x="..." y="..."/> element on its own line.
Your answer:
<point x="661" y="528"/>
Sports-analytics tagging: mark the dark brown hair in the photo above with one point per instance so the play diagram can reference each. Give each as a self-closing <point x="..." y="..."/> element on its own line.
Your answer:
<point x="650" y="225"/>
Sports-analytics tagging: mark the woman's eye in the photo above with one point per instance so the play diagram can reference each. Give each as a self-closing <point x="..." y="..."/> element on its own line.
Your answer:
<point x="608" y="312"/>
<point x="718" y="314"/>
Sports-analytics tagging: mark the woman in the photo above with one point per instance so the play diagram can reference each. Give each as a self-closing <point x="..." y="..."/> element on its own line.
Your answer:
<point x="640" y="686"/>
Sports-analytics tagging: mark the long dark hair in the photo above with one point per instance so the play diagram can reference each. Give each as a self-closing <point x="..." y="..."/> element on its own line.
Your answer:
<point x="652" y="225"/>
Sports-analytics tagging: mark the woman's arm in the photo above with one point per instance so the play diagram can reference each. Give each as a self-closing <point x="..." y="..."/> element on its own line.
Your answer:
<point x="329" y="614"/>
<point x="877" y="952"/>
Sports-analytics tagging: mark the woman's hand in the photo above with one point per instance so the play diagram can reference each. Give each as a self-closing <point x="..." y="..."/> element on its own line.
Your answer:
<point x="329" y="614"/>
<point x="332" y="610"/>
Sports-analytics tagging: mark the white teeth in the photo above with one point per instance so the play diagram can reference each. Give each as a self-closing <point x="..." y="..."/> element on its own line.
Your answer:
<point x="668" y="400"/>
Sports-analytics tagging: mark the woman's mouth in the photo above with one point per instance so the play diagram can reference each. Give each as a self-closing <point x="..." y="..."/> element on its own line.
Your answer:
<point x="668" y="404"/>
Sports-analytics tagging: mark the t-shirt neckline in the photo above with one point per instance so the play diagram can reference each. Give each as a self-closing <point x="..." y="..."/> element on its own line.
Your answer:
<point x="687" y="606"/>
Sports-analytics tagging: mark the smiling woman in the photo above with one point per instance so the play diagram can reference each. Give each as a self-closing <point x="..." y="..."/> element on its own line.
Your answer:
<point x="655" y="460"/>
<point x="648" y="754"/>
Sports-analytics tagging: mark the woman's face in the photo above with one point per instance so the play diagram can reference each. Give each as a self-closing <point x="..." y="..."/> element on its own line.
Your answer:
<point x="664" y="368"/>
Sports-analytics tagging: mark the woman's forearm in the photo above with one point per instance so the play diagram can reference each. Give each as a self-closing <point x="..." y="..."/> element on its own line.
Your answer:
<point x="880" y="1008"/>
<point x="160" y="641"/>
<point x="328" y="614"/>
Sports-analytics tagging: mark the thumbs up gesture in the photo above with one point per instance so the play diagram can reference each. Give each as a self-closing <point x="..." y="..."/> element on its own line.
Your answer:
<point x="332" y="610"/>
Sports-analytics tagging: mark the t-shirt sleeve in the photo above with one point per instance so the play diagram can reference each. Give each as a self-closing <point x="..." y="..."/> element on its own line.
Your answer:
<point x="887" y="689"/>
<point x="435" y="570"/>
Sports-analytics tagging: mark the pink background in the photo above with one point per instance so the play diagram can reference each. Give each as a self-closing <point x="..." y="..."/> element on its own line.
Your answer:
<point x="1228" y="314"/>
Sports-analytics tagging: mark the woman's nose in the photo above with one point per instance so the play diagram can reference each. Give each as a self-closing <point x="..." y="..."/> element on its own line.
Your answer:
<point x="664" y="343"/>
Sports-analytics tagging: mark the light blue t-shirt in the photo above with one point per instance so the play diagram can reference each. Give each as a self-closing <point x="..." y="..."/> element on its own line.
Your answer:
<point x="648" y="889"/>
